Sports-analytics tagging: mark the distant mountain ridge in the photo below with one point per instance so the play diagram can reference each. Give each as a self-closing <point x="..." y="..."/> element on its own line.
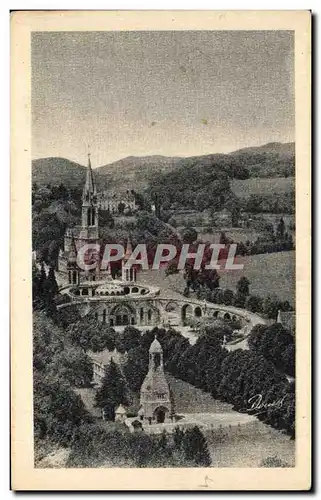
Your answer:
<point x="57" y="171"/>
<point x="283" y="148"/>
<point x="268" y="160"/>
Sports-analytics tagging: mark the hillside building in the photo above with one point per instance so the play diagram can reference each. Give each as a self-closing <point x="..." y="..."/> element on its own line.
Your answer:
<point x="155" y="394"/>
<point x="121" y="203"/>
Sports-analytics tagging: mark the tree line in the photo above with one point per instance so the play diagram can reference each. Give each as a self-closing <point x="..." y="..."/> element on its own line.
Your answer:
<point x="234" y="377"/>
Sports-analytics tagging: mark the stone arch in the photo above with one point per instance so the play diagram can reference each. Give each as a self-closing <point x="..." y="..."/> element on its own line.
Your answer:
<point x="186" y="312"/>
<point x="160" y="414"/>
<point x="198" y="312"/>
<point x="227" y="316"/>
<point x="215" y="314"/>
<point x="122" y="315"/>
<point x="135" y="289"/>
<point x="126" y="290"/>
<point x="171" y="306"/>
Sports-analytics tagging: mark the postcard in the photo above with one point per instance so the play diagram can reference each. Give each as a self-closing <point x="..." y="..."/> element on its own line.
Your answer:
<point x="160" y="250"/>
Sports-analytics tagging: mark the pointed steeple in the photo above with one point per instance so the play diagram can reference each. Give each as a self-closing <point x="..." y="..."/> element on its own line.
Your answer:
<point x="72" y="257"/>
<point x="72" y="267"/>
<point x="155" y="346"/>
<point x="89" y="192"/>
<point x="129" y="250"/>
<point x="89" y="201"/>
<point x="129" y="272"/>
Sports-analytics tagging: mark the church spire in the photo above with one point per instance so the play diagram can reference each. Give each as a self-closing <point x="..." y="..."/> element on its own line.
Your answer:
<point x="129" y="249"/>
<point x="89" y="200"/>
<point x="72" y="257"/>
<point x="89" y="193"/>
<point x="72" y="267"/>
<point x="129" y="272"/>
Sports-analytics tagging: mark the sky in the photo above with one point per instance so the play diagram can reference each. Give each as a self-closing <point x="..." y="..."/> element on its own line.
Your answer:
<point x="168" y="93"/>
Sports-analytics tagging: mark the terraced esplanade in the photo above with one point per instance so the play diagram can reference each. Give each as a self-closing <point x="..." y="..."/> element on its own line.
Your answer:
<point x="120" y="303"/>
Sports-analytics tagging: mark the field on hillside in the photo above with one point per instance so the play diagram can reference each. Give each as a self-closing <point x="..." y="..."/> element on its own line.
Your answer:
<point x="235" y="233"/>
<point x="272" y="273"/>
<point x="253" y="442"/>
<point x="268" y="274"/>
<point x="257" y="185"/>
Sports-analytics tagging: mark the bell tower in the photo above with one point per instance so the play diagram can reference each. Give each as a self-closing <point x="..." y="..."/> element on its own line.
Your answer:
<point x="72" y="267"/>
<point x="89" y="231"/>
<point x="154" y="394"/>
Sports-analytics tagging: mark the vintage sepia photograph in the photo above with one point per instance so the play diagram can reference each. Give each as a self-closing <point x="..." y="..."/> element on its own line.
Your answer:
<point x="164" y="249"/>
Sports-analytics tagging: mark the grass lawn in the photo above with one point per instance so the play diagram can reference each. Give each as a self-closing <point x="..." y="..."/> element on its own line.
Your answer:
<point x="242" y="446"/>
<point x="258" y="185"/>
<point x="269" y="274"/>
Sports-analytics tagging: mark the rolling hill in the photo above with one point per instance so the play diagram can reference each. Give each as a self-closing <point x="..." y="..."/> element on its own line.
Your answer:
<point x="134" y="170"/>
<point x="269" y="160"/>
<point x="274" y="159"/>
<point x="281" y="148"/>
<point x="57" y="171"/>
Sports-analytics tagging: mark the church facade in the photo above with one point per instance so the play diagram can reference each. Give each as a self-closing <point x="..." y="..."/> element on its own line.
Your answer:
<point x="118" y="203"/>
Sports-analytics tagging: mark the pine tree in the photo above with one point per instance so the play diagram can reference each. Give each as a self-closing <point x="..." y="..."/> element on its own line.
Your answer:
<point x="37" y="298"/>
<point x="50" y="289"/>
<point x="195" y="447"/>
<point x="42" y="278"/>
<point x="243" y="286"/>
<point x="178" y="437"/>
<point x="112" y="392"/>
<point x="51" y="281"/>
<point x="162" y="443"/>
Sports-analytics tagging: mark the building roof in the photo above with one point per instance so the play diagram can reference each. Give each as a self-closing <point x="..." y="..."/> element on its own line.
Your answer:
<point x="120" y="410"/>
<point x="155" y="346"/>
<point x="141" y="411"/>
<point x="155" y="382"/>
<point x="109" y="286"/>
<point x="104" y="357"/>
<point x="287" y="319"/>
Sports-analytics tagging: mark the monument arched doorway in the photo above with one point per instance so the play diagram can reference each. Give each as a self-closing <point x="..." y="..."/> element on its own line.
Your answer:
<point x="160" y="414"/>
<point x="122" y="315"/>
<point x="198" y="312"/>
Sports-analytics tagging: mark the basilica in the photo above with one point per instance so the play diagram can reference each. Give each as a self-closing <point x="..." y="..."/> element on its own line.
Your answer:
<point x="127" y="300"/>
<point x="88" y="233"/>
